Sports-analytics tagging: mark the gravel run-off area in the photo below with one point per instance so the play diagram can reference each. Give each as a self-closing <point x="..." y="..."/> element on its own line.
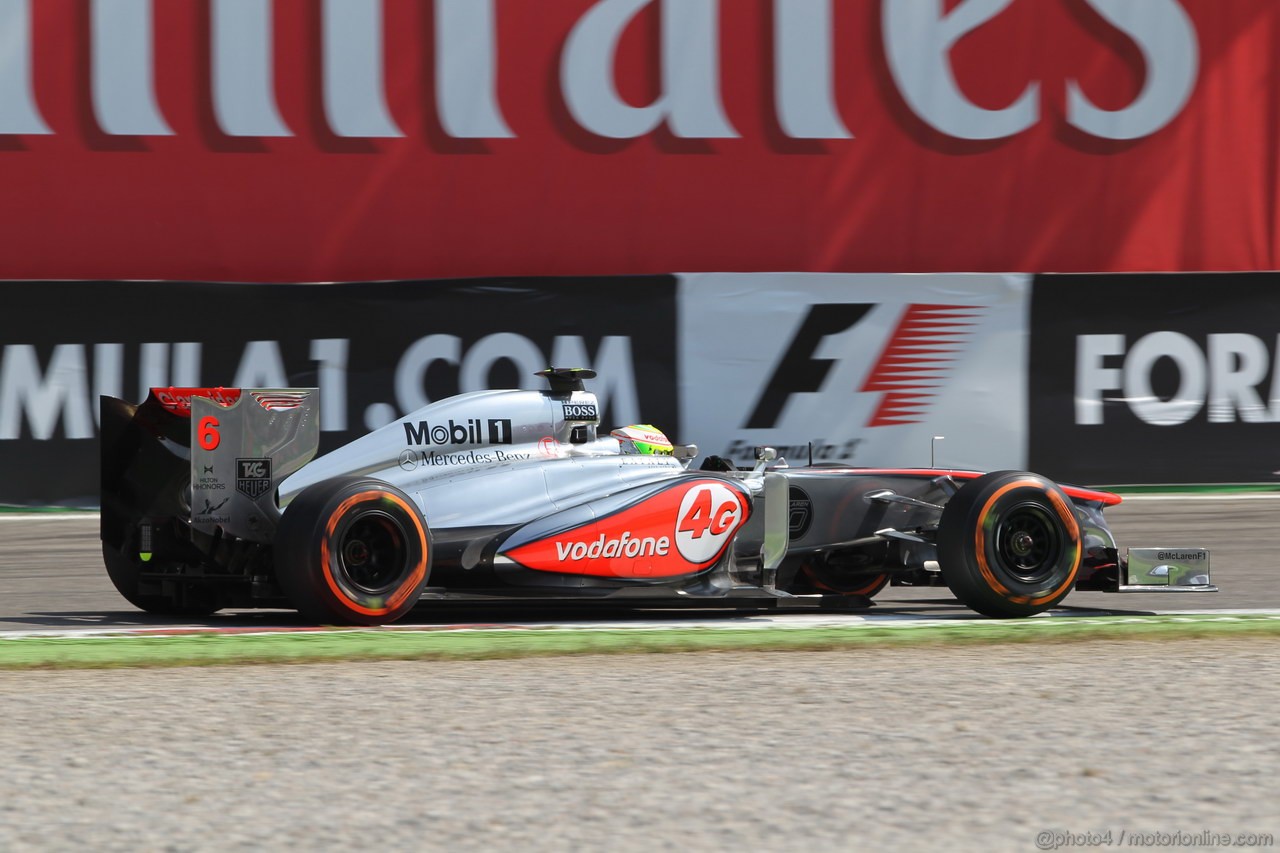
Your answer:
<point x="948" y="748"/>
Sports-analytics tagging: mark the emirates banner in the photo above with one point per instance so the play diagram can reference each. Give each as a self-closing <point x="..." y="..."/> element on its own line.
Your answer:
<point x="358" y="140"/>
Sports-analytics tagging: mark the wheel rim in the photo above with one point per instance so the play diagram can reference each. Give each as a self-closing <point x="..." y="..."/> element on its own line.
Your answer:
<point x="1029" y="543"/>
<point x="371" y="552"/>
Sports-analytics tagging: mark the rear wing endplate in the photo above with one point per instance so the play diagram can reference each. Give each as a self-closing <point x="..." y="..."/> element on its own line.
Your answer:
<point x="243" y="445"/>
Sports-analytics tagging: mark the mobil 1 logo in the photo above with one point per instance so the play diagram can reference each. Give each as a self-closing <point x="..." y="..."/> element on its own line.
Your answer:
<point x="253" y="477"/>
<point x="473" y="431"/>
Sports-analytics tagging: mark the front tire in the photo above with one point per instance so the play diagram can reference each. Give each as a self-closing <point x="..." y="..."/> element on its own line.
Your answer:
<point x="1009" y="544"/>
<point x="352" y="550"/>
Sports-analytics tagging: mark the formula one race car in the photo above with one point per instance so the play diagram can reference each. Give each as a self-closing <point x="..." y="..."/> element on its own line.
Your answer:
<point x="210" y="501"/>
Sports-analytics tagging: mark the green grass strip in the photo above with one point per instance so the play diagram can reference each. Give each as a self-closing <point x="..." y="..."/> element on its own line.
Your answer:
<point x="338" y="645"/>
<point x="1192" y="489"/>
<point x="50" y="510"/>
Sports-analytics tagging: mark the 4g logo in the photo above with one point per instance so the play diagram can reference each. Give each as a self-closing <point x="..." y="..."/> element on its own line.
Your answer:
<point x="709" y="515"/>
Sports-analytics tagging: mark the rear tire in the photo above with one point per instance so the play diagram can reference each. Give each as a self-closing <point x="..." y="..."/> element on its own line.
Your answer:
<point x="852" y="572"/>
<point x="825" y="579"/>
<point x="1009" y="544"/>
<point x="873" y="585"/>
<point x="352" y="550"/>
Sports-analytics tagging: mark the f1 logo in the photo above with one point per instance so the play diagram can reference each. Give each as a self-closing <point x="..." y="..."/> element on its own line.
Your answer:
<point x="914" y="360"/>
<point x="799" y="372"/>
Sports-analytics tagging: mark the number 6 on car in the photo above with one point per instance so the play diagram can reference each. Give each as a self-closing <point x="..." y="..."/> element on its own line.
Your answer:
<point x="207" y="433"/>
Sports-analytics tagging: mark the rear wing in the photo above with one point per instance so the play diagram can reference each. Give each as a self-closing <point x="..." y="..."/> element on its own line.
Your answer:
<point x="241" y="451"/>
<point x="211" y="457"/>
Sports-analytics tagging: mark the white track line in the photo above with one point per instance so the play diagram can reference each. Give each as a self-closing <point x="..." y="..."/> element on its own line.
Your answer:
<point x="789" y="621"/>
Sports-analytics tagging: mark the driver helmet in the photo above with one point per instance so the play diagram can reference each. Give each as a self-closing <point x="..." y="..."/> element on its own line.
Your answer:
<point x="643" y="440"/>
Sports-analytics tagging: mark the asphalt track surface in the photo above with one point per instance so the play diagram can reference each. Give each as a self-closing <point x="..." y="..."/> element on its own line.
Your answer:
<point x="51" y="574"/>
<point x="1131" y="744"/>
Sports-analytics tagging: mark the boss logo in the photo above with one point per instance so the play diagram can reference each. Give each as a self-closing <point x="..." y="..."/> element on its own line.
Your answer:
<point x="581" y="412"/>
<point x="253" y="477"/>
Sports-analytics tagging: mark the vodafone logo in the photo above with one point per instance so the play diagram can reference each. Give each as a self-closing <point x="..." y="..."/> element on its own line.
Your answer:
<point x="677" y="531"/>
<point x="709" y="515"/>
<point x="623" y="546"/>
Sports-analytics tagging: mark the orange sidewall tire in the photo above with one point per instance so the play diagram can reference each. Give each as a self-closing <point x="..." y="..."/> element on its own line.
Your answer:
<point x="979" y="558"/>
<point x="314" y="560"/>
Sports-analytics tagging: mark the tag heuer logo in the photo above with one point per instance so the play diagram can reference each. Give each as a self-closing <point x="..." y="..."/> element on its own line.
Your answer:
<point x="253" y="477"/>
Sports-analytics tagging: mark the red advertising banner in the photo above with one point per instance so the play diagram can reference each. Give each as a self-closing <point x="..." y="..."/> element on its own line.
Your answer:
<point x="285" y="140"/>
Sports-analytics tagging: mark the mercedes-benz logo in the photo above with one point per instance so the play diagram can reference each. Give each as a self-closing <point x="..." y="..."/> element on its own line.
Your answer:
<point x="409" y="460"/>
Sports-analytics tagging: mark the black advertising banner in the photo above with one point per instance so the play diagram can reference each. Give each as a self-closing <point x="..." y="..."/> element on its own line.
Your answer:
<point x="1155" y="378"/>
<point x="376" y="351"/>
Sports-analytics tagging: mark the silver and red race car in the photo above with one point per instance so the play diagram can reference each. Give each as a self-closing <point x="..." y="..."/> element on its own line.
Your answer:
<point x="211" y="500"/>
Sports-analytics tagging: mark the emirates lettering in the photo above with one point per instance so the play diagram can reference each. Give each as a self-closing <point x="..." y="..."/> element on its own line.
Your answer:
<point x="606" y="548"/>
<point x="917" y="37"/>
